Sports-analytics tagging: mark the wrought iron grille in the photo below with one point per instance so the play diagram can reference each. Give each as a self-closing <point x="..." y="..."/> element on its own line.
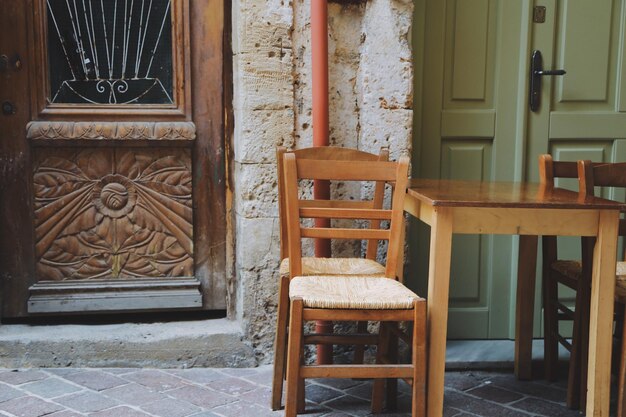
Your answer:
<point x="110" y="51"/>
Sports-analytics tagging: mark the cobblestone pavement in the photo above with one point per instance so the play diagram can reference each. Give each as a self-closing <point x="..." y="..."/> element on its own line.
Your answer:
<point x="114" y="392"/>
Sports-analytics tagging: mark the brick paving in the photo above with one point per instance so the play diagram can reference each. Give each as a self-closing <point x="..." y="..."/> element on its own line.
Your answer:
<point x="115" y="392"/>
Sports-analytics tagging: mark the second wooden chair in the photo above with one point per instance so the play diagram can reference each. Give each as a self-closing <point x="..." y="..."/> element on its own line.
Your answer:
<point x="574" y="274"/>
<point x="322" y="266"/>
<point x="349" y="298"/>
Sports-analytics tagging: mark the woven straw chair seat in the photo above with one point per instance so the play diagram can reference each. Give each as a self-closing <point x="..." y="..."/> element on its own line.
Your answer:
<point x="352" y="292"/>
<point x="571" y="269"/>
<point x="335" y="266"/>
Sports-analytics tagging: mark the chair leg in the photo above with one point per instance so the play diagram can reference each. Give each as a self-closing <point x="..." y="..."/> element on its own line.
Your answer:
<point x="621" y="390"/>
<point x="584" y="345"/>
<point x="378" y="388"/>
<point x="419" y="359"/>
<point x="294" y="358"/>
<point x="359" y="350"/>
<point x="280" y="343"/>
<point x="581" y="315"/>
<point x="392" y="383"/>
<point x="575" y="359"/>
<point x="551" y="325"/>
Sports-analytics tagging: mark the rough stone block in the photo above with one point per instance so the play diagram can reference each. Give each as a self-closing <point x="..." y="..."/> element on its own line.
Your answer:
<point x="262" y="82"/>
<point x="385" y="83"/>
<point x="259" y="299"/>
<point x="392" y="128"/>
<point x="257" y="190"/>
<point x="387" y="27"/>
<point x="257" y="243"/>
<point x="263" y="22"/>
<point x="259" y="132"/>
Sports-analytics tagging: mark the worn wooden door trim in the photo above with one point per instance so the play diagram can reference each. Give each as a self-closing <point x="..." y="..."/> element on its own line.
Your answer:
<point x="16" y="237"/>
<point x="209" y="171"/>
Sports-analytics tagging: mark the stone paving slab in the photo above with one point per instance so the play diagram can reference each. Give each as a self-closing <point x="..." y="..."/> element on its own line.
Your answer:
<point x="213" y="392"/>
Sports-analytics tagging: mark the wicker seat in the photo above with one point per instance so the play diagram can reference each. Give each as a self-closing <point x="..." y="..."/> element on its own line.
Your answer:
<point x="322" y="266"/>
<point x="355" y="292"/>
<point x="335" y="266"/>
<point x="349" y="298"/>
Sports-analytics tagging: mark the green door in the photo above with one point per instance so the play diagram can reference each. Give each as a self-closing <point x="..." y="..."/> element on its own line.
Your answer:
<point x="472" y="121"/>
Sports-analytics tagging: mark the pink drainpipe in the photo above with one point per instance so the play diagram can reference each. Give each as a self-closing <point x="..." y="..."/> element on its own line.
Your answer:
<point x="321" y="189"/>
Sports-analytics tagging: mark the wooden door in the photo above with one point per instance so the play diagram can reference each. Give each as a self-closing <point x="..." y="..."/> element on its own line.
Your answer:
<point x="583" y="113"/>
<point x="112" y="147"/>
<point x="469" y="71"/>
<point x="473" y="121"/>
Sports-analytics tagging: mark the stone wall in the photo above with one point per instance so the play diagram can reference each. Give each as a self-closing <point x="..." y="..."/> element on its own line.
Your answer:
<point x="371" y="80"/>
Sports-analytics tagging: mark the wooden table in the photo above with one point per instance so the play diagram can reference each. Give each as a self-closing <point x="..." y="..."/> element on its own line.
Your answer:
<point x="527" y="210"/>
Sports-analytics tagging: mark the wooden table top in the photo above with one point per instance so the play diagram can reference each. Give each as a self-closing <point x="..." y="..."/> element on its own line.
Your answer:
<point x="457" y="193"/>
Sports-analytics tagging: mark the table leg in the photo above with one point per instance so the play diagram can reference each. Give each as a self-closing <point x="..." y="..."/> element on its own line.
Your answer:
<point x="438" y="289"/>
<point x="524" y="305"/>
<point x="601" y="315"/>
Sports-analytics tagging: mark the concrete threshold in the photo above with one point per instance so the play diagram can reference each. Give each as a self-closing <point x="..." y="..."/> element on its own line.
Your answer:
<point x="490" y="354"/>
<point x="180" y="344"/>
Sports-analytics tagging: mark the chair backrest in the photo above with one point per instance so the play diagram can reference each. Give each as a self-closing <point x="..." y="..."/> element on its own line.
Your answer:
<point x="550" y="169"/>
<point x="328" y="153"/>
<point x="297" y="208"/>
<point x="594" y="174"/>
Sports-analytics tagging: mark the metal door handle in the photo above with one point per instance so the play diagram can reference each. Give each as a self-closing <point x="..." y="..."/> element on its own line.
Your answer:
<point x="550" y="72"/>
<point x="536" y="72"/>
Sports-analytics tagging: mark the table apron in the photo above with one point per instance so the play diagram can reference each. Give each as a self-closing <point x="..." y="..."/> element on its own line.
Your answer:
<point x="512" y="221"/>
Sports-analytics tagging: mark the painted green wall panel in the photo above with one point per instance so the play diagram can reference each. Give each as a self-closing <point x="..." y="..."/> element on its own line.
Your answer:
<point x="470" y="49"/>
<point x="462" y="159"/>
<point x="468" y="123"/>
<point x="468" y="323"/>
<point x="584" y="48"/>
<point x="584" y="125"/>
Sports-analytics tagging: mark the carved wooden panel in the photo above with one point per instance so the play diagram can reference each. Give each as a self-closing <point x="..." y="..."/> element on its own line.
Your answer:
<point x="113" y="213"/>
<point x="97" y="130"/>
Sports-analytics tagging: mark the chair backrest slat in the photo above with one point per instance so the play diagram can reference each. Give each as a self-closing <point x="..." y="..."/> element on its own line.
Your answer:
<point x="332" y="213"/>
<point x="347" y="204"/>
<point x="550" y="169"/>
<point x="601" y="175"/>
<point x="341" y="170"/>
<point x="345" y="170"/>
<point x="344" y="233"/>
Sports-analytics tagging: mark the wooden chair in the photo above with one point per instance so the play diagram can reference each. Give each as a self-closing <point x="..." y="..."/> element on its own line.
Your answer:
<point x="349" y="298"/>
<point x="322" y="266"/>
<point x="592" y="175"/>
<point x="620" y="297"/>
<point x="574" y="274"/>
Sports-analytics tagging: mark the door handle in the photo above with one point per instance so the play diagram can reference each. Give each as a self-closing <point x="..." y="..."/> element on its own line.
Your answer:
<point x="536" y="72"/>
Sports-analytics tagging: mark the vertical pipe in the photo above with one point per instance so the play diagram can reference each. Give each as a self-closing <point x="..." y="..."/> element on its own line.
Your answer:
<point x="321" y="189"/>
<point x="319" y="60"/>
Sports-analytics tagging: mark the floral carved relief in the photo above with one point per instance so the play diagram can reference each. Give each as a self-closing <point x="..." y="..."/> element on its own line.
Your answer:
<point x="113" y="213"/>
<point x="123" y="131"/>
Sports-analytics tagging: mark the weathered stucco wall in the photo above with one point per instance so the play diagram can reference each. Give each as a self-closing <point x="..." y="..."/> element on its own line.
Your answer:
<point x="371" y="81"/>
